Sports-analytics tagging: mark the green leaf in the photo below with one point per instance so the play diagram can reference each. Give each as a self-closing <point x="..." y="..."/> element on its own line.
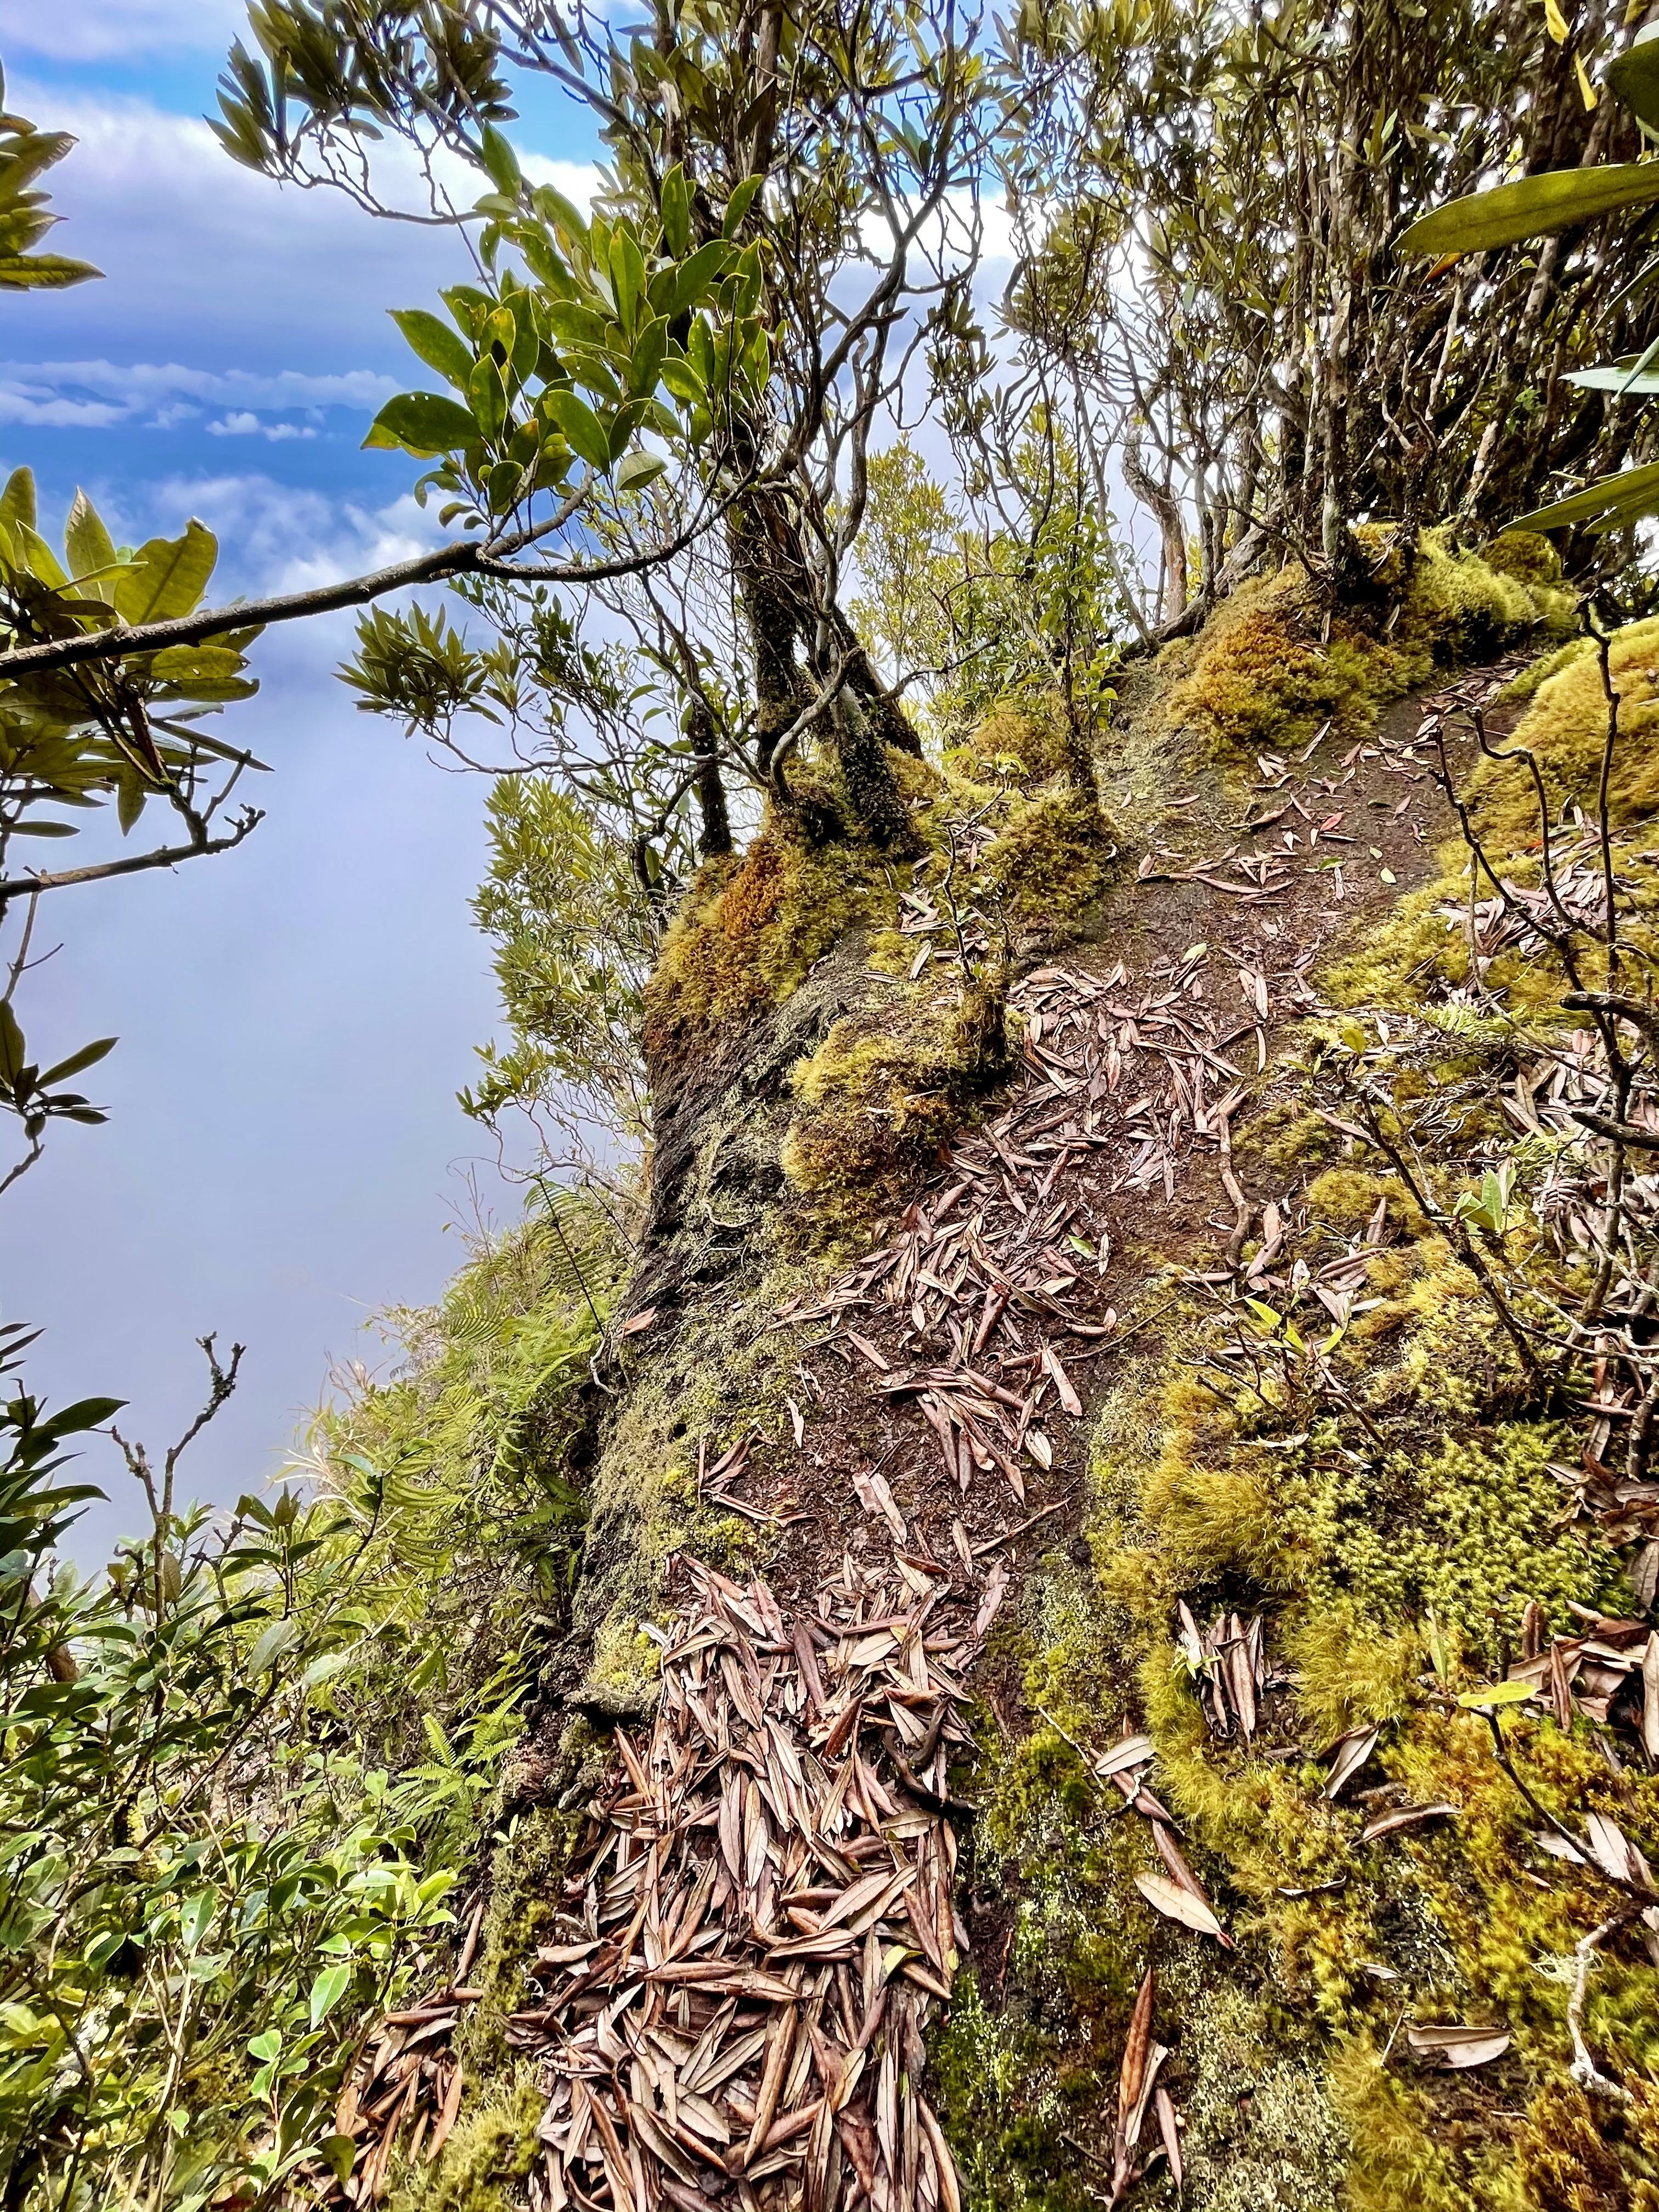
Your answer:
<point x="693" y="278"/>
<point x="43" y="272"/>
<point x="338" y="2154"/>
<point x="638" y="469"/>
<point x="645" y="363"/>
<point x="501" y="162"/>
<point x="1641" y="384"/>
<point x="270" y="1644"/>
<point x="86" y="540"/>
<point x="167" y="577"/>
<point x="1532" y="207"/>
<point x="627" y="276"/>
<point x="12" y="1048"/>
<point x="131" y="793"/>
<point x="423" y="423"/>
<point x="1497" y="1693"/>
<point x="1619" y="498"/>
<point x="42" y="562"/>
<point x="267" y="2046"/>
<point x="738" y="206"/>
<point x="330" y="1986"/>
<point x="439" y="345"/>
<point x="17" y="500"/>
<point x="88" y="1056"/>
<point x="487" y="397"/>
<point x="677" y="212"/>
<point x="582" y="429"/>
<point x="1634" y="78"/>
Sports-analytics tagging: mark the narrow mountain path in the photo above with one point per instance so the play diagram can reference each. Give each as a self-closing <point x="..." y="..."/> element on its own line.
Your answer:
<point x="757" y="1925"/>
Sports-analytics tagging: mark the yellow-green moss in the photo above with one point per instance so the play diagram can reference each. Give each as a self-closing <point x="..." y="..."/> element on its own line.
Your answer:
<point x="1052" y="859"/>
<point x="1022" y="741"/>
<point x="1565" y="727"/>
<point x="485" y="2163"/>
<point x="752" y="926"/>
<point x="885" y="1092"/>
<point x="1265" y="673"/>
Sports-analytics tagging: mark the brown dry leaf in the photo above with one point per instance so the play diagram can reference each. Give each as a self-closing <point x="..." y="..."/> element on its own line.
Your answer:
<point x="1176" y="1903"/>
<point x="1615" y="1853"/>
<point x="1350" y="1754"/>
<point x="1131" y="2074"/>
<point x="638" y="1321"/>
<point x="1170" y="2130"/>
<point x="1408" y="1816"/>
<point x="991" y="1603"/>
<point x="797" y="1422"/>
<point x="1131" y="1750"/>
<point x="1455" y="2048"/>
<point x="1062" y="1383"/>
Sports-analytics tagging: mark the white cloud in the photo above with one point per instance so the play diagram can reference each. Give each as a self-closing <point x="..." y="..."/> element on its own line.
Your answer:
<point x="248" y="425"/>
<point x="43" y="410"/>
<point x="274" y="538"/>
<point x="105" y="30"/>
<point x="100" y="395"/>
<point x="206" y="262"/>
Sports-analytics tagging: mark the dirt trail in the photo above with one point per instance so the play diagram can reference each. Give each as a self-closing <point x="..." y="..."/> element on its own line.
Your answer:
<point x="757" y="1924"/>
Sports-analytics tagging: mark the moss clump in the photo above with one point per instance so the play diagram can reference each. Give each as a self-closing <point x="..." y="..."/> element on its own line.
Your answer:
<point x="884" y="1092"/>
<point x="525" y="1869"/>
<point x="1566" y="726"/>
<point x="1525" y="555"/>
<point x="1022" y="741"/>
<point x="485" y="2163"/>
<point x="1052" y="859"/>
<point x="751" y="928"/>
<point x="1265" y="672"/>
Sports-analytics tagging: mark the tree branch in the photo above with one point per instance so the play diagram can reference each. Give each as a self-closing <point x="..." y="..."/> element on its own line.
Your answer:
<point x="165" y="856"/>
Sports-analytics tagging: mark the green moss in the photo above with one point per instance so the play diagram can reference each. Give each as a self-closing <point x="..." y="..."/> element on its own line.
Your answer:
<point x="1023" y="741"/>
<point x="1565" y="728"/>
<point x="752" y="926"/>
<point x="1275" y="663"/>
<point x="1526" y="555"/>
<point x="485" y="2163"/>
<point x="884" y="1093"/>
<point x="525" y="1869"/>
<point x="1052" y="859"/>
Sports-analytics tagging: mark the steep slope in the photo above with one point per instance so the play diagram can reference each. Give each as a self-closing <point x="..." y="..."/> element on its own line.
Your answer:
<point x="1009" y="1745"/>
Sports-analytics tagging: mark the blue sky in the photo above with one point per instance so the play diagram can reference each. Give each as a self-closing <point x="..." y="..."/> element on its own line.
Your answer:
<point x="284" y="1154"/>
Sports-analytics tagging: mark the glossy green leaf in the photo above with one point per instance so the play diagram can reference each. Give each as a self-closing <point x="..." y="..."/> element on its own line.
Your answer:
<point x="88" y="1056"/>
<point x="42" y="562"/>
<point x="693" y="278"/>
<point x="423" y="423"/>
<point x="1634" y="78"/>
<point x="330" y="1986"/>
<point x="581" y="427"/>
<point x="167" y="576"/>
<point x="639" y="470"/>
<point x="1623" y="497"/>
<point x="438" y="345"/>
<point x="502" y="163"/>
<point x="1532" y="207"/>
<point x="17" y="500"/>
<point x="85" y="541"/>
<point x="486" y="395"/>
<point x="738" y="206"/>
<point x="676" y="212"/>
<point x="1626" y="375"/>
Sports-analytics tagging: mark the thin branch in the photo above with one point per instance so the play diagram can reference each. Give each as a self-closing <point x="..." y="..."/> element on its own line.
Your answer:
<point x="165" y="856"/>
